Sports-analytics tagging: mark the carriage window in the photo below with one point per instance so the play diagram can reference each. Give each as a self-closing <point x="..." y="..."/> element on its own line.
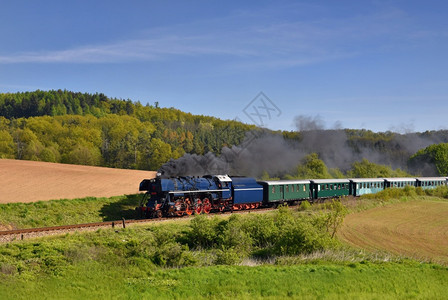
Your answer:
<point x="273" y="190"/>
<point x="292" y="188"/>
<point x="304" y="188"/>
<point x="339" y="186"/>
<point x="287" y="188"/>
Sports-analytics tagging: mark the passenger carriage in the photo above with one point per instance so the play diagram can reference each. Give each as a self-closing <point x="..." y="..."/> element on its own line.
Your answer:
<point x="399" y="182"/>
<point x="362" y="186"/>
<point x="279" y="191"/>
<point x="328" y="188"/>
<point x="431" y="182"/>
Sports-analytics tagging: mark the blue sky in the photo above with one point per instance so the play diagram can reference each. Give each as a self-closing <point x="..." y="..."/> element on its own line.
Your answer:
<point x="378" y="65"/>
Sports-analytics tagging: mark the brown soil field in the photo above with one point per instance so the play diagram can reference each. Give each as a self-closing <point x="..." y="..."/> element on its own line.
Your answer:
<point x="417" y="229"/>
<point x="29" y="181"/>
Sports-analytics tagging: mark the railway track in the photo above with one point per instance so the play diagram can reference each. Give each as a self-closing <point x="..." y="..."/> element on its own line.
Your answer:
<point x="21" y="234"/>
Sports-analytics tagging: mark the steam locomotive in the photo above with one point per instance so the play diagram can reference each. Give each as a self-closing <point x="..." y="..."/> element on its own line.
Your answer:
<point x="178" y="196"/>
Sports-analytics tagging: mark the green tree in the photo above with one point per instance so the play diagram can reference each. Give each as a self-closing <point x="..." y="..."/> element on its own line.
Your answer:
<point x="6" y="145"/>
<point x="160" y="153"/>
<point x="434" y="155"/>
<point x="83" y="155"/>
<point x="311" y="167"/>
<point x="367" y="169"/>
<point x="28" y="145"/>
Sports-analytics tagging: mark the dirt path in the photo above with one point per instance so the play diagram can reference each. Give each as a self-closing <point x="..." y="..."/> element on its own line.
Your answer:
<point x="28" y="181"/>
<point x="418" y="229"/>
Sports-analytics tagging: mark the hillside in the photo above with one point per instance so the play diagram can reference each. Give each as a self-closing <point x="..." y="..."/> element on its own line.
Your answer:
<point x="91" y="129"/>
<point x="28" y="181"/>
<point x="417" y="229"/>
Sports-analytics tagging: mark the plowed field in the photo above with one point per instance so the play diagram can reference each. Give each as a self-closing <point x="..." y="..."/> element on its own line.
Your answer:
<point x="417" y="229"/>
<point x="28" y="181"/>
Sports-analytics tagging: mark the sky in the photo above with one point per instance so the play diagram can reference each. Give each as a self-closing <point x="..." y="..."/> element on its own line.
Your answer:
<point x="373" y="64"/>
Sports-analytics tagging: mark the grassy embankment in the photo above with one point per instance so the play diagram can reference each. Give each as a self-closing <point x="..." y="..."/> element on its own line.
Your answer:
<point x="68" y="211"/>
<point x="285" y="253"/>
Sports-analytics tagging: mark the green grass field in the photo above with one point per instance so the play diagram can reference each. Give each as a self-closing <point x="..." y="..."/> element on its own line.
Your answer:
<point x="91" y="280"/>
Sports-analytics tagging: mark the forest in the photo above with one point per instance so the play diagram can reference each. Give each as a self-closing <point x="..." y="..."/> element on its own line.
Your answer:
<point x="93" y="129"/>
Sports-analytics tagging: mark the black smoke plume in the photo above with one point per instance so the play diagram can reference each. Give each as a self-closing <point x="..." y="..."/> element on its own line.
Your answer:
<point x="265" y="151"/>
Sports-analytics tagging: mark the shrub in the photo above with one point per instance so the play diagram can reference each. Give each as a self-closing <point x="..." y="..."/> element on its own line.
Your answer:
<point x="440" y="191"/>
<point x="233" y="235"/>
<point x="230" y="256"/>
<point x="305" y="205"/>
<point x="335" y="216"/>
<point x="203" y="232"/>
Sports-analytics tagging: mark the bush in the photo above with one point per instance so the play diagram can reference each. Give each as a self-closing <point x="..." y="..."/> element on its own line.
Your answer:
<point x="233" y="235"/>
<point x="440" y="191"/>
<point x="304" y="205"/>
<point x="230" y="256"/>
<point x="203" y="232"/>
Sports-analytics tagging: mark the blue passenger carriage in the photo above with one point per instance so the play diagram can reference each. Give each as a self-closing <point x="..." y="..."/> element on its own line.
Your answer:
<point x="399" y="182"/>
<point x="431" y="182"/>
<point x="362" y="186"/>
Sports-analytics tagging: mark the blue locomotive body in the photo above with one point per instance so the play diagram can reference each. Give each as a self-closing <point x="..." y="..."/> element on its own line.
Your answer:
<point x="178" y="196"/>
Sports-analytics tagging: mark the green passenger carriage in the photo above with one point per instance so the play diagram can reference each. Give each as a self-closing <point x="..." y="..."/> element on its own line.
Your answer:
<point x="279" y="191"/>
<point x="327" y="188"/>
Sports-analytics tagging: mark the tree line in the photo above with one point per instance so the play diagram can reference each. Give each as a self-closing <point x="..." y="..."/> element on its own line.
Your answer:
<point x="93" y="129"/>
